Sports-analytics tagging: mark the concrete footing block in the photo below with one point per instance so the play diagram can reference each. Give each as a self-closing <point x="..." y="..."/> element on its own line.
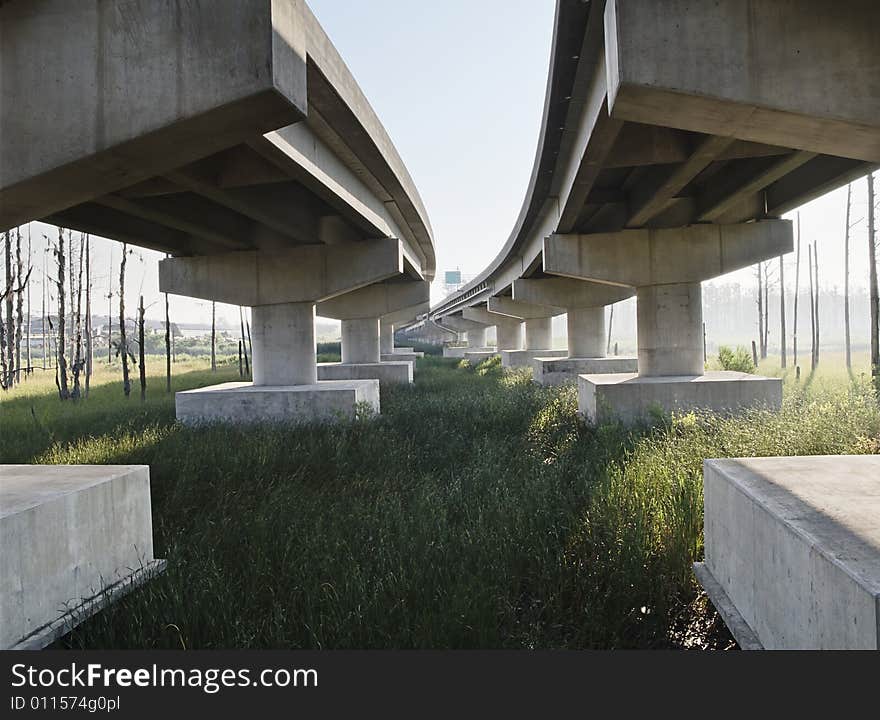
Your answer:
<point x="398" y="371"/>
<point x="555" y="371"/>
<point x="630" y="398"/>
<point x="793" y="549"/>
<point x="458" y="352"/>
<point x="243" y="402"/>
<point x="74" y="538"/>
<point x="401" y="356"/>
<point x="524" y="358"/>
<point x="475" y="357"/>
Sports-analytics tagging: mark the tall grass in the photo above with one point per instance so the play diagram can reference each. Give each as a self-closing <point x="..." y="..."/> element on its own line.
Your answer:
<point x="477" y="511"/>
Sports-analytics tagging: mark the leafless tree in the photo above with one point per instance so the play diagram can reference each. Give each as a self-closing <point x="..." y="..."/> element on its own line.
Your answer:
<point x="816" y="301"/>
<point x="872" y="283"/>
<point x="797" y="278"/>
<point x="812" y="310"/>
<point x="846" y="327"/>
<point x="167" y="343"/>
<point x="61" y="364"/>
<point x="142" y="365"/>
<point x="78" y="362"/>
<point x="122" y="349"/>
<point x="761" y="335"/>
<point x="247" y="368"/>
<point x="782" y="358"/>
<point x="610" y="326"/>
<point x="213" y="336"/>
<point x="88" y="312"/>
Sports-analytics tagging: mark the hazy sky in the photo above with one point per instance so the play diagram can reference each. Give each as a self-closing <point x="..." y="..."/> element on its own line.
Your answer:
<point x="459" y="85"/>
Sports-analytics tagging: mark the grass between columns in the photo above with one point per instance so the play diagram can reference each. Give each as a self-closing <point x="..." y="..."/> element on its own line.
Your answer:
<point x="478" y="511"/>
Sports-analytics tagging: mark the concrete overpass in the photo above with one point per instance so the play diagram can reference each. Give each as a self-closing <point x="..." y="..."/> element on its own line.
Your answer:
<point x="232" y="137"/>
<point x="674" y="136"/>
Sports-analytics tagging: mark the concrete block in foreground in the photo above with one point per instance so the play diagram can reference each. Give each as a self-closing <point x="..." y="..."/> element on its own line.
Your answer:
<point x="458" y="352"/>
<point x="475" y="357"/>
<point x="243" y="402"/>
<point x="524" y="358"/>
<point x="555" y="371"/>
<point x="401" y="357"/>
<point x="74" y="538"/>
<point x="400" y="371"/>
<point x="793" y="550"/>
<point x="629" y="398"/>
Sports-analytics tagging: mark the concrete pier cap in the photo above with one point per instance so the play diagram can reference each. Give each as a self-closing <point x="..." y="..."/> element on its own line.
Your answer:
<point x="666" y="267"/>
<point x="537" y="324"/>
<point x="283" y="289"/>
<point x="584" y="303"/>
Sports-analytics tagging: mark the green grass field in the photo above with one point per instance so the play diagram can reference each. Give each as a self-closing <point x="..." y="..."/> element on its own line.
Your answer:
<point x="476" y="511"/>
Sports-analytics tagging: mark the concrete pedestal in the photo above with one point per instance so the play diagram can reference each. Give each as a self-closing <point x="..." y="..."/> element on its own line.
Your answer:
<point x="400" y="371"/>
<point x="243" y="402"/>
<point x="74" y="538"/>
<point x="524" y="358"/>
<point x="402" y="357"/>
<point x="456" y="352"/>
<point x="555" y="371"/>
<point x="793" y="550"/>
<point x="629" y="397"/>
<point x="475" y="357"/>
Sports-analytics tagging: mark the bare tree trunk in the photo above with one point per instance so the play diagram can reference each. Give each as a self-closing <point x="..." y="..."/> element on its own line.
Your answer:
<point x="240" y="367"/>
<point x="213" y="336"/>
<point x="88" y="313"/>
<point x="8" y="328"/>
<point x="61" y="364"/>
<point x="782" y="359"/>
<point x="766" y="309"/>
<point x="763" y="353"/>
<point x="610" y="327"/>
<point x="812" y="310"/>
<point x="797" y="278"/>
<point x="142" y="364"/>
<point x="19" y="304"/>
<point x="28" y="326"/>
<point x="816" y="271"/>
<point x="247" y="324"/>
<point x="123" y="342"/>
<point x="846" y="330"/>
<point x="45" y="320"/>
<point x="247" y="367"/>
<point x="77" y="357"/>
<point x="167" y="344"/>
<point x="873" y="290"/>
<point x="110" y="312"/>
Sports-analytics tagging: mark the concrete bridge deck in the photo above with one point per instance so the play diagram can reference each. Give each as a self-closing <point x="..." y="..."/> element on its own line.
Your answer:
<point x="232" y="137"/>
<point x="674" y="135"/>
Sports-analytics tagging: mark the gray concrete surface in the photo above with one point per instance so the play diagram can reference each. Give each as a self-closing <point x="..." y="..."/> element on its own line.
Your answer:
<point x="629" y="397"/>
<point x="243" y="403"/>
<point x="524" y="358"/>
<point x="794" y="544"/>
<point x="385" y="372"/>
<point x="70" y="534"/>
<point x="555" y="371"/>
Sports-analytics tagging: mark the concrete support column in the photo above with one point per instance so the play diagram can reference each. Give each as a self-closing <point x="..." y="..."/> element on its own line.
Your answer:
<point x="539" y="333"/>
<point x="283" y="336"/>
<point x="476" y="338"/>
<point x="670" y="329"/>
<point x="586" y="332"/>
<point x="386" y="338"/>
<point x="360" y="340"/>
<point x="508" y="335"/>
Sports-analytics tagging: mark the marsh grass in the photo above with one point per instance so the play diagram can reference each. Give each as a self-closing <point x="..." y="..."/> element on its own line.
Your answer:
<point x="477" y="511"/>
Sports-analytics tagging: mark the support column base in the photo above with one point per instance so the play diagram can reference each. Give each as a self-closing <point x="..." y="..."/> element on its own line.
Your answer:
<point x="475" y="357"/>
<point x="244" y="403"/>
<point x="555" y="371"/>
<point x="630" y="398"/>
<point x="75" y="538"/>
<point x="523" y="358"/>
<point x="401" y="356"/>
<point x="458" y="351"/>
<point x="398" y="371"/>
